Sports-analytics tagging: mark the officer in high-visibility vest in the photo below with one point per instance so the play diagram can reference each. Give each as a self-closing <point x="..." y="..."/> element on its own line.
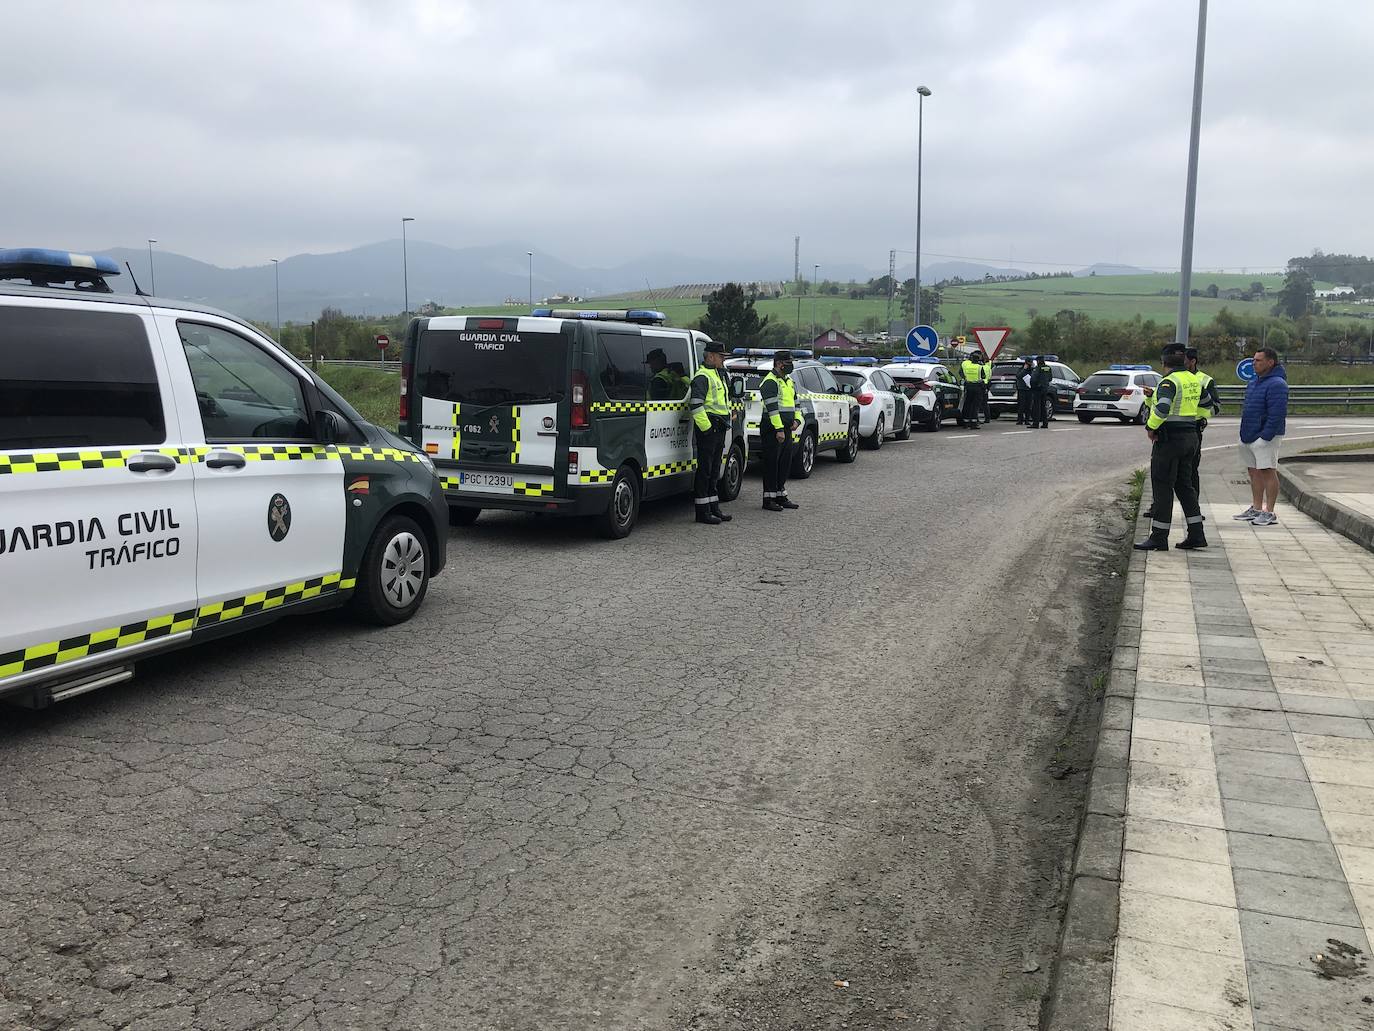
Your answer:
<point x="710" y="408"/>
<point x="663" y="385"/>
<point x="971" y="369"/>
<point x="1209" y="407"/>
<point x="778" y="429"/>
<point x="1172" y="427"/>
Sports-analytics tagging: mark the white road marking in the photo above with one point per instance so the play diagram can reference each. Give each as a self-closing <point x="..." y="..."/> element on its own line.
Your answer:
<point x="960" y="436"/>
<point x="1012" y="433"/>
<point x="1314" y="436"/>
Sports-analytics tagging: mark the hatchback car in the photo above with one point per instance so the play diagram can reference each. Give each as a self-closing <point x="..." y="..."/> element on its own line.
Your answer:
<point x="1121" y="392"/>
<point x="885" y="409"/>
<point x="934" y="392"/>
<point x="1002" y="389"/>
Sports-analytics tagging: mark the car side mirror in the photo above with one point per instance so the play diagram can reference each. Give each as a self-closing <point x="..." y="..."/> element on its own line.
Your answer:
<point x="330" y="427"/>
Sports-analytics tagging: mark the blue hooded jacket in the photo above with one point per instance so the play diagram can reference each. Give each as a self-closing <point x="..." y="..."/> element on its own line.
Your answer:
<point x="1265" y="409"/>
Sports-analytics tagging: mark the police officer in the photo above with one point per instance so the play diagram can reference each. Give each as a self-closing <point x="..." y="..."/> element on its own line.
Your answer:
<point x="1172" y="427"/>
<point x="778" y="428"/>
<point x="1041" y="380"/>
<point x="972" y="371"/>
<point x="1209" y="407"/>
<point x="710" y="408"/>
<point x="663" y="385"/>
<point x="1023" y="391"/>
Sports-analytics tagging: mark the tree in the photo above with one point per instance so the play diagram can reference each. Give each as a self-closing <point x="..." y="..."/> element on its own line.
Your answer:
<point x="1297" y="295"/>
<point x="1042" y="335"/>
<point x="930" y="302"/>
<point x="1277" y="338"/>
<point x="1257" y="288"/>
<point x="730" y="317"/>
<point x="1212" y="290"/>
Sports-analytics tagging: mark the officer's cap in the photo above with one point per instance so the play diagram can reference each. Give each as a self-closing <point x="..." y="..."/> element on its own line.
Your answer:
<point x="657" y="353"/>
<point x="782" y="356"/>
<point x="715" y="348"/>
<point x="1174" y="348"/>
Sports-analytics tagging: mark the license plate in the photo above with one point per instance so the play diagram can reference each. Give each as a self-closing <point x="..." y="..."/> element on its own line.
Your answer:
<point x="487" y="483"/>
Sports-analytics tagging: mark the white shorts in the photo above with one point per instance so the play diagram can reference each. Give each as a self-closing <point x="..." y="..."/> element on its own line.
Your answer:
<point x="1260" y="453"/>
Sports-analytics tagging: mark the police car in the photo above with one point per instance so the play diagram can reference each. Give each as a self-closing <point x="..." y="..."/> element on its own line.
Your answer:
<point x="168" y="474"/>
<point x="830" y="412"/>
<point x="1119" y="391"/>
<point x="1002" y="387"/>
<point x="884" y="408"/>
<point x="935" y="393"/>
<point x="566" y="412"/>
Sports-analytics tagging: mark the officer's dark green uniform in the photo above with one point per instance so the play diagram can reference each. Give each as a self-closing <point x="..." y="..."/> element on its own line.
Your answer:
<point x="1023" y="391"/>
<point x="974" y="385"/>
<point x="663" y="385"/>
<point x="1173" y="427"/>
<point x="1042" y="380"/>
<point x="780" y="415"/>
<point x="710" y="408"/>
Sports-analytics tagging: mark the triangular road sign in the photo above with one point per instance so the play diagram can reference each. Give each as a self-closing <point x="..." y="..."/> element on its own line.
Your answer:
<point x="990" y="338"/>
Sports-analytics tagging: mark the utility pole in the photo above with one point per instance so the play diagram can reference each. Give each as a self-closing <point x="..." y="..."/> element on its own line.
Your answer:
<point x="796" y="259"/>
<point x="922" y="92"/>
<point x="276" y="276"/>
<point x="405" y="268"/>
<point x="815" y="274"/>
<point x="152" y="275"/>
<point x="1185" y="283"/>
<point x="891" y="285"/>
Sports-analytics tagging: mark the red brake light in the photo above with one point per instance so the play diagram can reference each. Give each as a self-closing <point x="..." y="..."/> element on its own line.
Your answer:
<point x="581" y="408"/>
<point x="491" y="323"/>
<point x="1122" y="392"/>
<point x="865" y="398"/>
<point x="1081" y="390"/>
<point x="404" y="409"/>
<point x="923" y="385"/>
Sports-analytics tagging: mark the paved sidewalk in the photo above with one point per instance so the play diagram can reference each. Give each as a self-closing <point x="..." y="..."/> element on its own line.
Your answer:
<point x="1247" y="877"/>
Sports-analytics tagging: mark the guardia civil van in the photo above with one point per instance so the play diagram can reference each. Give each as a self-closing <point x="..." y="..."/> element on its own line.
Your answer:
<point x="563" y="412"/>
<point x="169" y="474"/>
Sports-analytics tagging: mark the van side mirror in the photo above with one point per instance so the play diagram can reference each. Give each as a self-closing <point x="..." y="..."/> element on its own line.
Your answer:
<point x="330" y="427"/>
<point x="736" y="387"/>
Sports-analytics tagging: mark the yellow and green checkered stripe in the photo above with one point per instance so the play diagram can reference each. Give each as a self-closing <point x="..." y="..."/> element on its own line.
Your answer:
<point x="98" y="642"/>
<point x="533" y="490"/>
<point x="77" y="461"/>
<point x="824" y="397"/>
<point x="515" y="438"/>
<point x="837" y="435"/>
<point x="596" y="476"/>
<point x="670" y="468"/>
<point x="621" y="407"/>
<point x="457" y="433"/>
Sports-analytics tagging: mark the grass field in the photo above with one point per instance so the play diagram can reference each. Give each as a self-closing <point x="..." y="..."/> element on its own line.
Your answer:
<point x="373" y="392"/>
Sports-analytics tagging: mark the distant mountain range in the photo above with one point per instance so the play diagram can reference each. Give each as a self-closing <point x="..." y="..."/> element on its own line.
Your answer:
<point x="368" y="279"/>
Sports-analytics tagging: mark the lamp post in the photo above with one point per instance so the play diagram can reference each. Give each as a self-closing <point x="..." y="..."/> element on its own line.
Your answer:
<point x="276" y="276"/>
<point x="152" y="275"/>
<point x="815" y="272"/>
<point x="530" y="255"/>
<point x="921" y="93"/>
<point x="1185" y="281"/>
<point x="405" y="269"/>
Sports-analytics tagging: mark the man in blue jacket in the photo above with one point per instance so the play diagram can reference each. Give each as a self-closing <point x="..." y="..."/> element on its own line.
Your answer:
<point x="1262" y="422"/>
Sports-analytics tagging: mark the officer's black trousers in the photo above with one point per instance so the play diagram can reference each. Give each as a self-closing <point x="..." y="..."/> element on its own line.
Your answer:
<point x="1171" y="472"/>
<point x="1039" y="408"/>
<point x="1197" y="462"/>
<point x="1023" y="405"/>
<point x="777" y="459"/>
<point x="710" y="443"/>
<point x="973" y="403"/>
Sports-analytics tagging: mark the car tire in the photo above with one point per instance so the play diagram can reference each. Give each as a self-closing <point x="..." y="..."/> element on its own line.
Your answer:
<point x="461" y="515"/>
<point x="1086" y="418"/>
<point x="622" y="511"/>
<point x="732" y="477"/>
<point x="850" y="451"/>
<point x="1140" y="417"/>
<point x="804" y="461"/>
<point x="394" y="574"/>
<point x="874" y="442"/>
<point x="933" y="426"/>
<point x="994" y="414"/>
<point x="905" y="432"/>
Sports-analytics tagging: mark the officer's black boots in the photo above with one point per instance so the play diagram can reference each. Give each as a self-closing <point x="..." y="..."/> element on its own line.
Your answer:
<point x="1195" y="539"/>
<point x="705" y="515"/>
<point x="787" y="502"/>
<point x="770" y="505"/>
<point x="715" y="511"/>
<point x="1157" y="541"/>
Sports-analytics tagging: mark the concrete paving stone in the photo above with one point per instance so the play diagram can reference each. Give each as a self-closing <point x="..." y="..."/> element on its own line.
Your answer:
<point x="1331" y="726"/>
<point x="1125" y="658"/>
<point x="1232" y="648"/>
<point x="1258" y="740"/>
<point x="1251" y="719"/>
<point x="1360" y="692"/>
<point x="1107" y="791"/>
<point x="1168" y="640"/>
<point x="1117" y="713"/>
<point x="1142" y="1015"/>
<point x="1289" y="941"/>
<point x="1174" y="753"/>
<point x="1358" y="863"/>
<point x="1348" y="828"/>
<point x="1342" y="798"/>
<point x="1171" y="730"/>
<point x="1243" y="699"/>
<point x="1183" y="978"/>
<point x="1220" y="664"/>
<point x="1238" y="629"/>
<point x="1334" y="747"/>
<point x="1175" y="673"/>
<point x="1171" y="921"/>
<point x="1321" y="705"/>
<point x="1329" y="688"/>
<point x="1279" y="791"/>
<point x="1170" y="692"/>
<point x="1340" y="771"/>
<point x="1091" y="917"/>
<point x="1363" y="895"/>
<point x="1291" y="997"/>
<point x="1245" y="763"/>
<point x="1179" y="840"/>
<point x="1305" y="671"/>
<point x="1284" y="821"/>
<point x="1180" y="807"/>
<point x="1246" y="643"/>
<point x="1121" y="683"/>
<point x="1178" y="878"/>
<point x="1113" y="748"/>
<point x="1238" y="681"/>
<point x="1183" y="779"/>
<point x="1099" y="847"/>
<point x="1320" y="899"/>
<point x="1284" y="855"/>
<point x="1182" y="712"/>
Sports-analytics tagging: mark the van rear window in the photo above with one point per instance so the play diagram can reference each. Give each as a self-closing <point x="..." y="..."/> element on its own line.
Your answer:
<point x="491" y="367"/>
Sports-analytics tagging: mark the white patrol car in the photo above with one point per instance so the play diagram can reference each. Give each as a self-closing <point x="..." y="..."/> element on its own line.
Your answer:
<point x="935" y="393"/>
<point x="581" y="413"/>
<point x="1120" y="391"/>
<point x="831" y="412"/>
<point x="169" y="474"/>
<point x="884" y="408"/>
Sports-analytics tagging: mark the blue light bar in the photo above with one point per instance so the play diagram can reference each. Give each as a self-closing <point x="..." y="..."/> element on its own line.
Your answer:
<point x="1131" y="368"/>
<point x="846" y="360"/>
<point x="639" y="316"/>
<point x="769" y="352"/>
<point x="42" y="257"/>
<point x="645" y="315"/>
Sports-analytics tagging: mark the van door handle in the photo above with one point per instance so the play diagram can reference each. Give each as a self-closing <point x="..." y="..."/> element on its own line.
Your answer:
<point x="225" y="460"/>
<point x="150" y="461"/>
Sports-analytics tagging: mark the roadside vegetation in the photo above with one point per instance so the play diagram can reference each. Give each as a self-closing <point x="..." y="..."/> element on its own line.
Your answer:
<point x="373" y="392"/>
<point x="1359" y="445"/>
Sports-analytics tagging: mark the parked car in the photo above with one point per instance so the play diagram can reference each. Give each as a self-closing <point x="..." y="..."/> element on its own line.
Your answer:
<point x="1002" y="389"/>
<point x="1121" y="391"/>
<point x="831" y="414"/>
<point x="885" y="410"/>
<point x="935" y="393"/>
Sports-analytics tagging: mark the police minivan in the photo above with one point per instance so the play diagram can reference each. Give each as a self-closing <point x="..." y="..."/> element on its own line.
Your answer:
<point x="564" y="412"/>
<point x="168" y="474"/>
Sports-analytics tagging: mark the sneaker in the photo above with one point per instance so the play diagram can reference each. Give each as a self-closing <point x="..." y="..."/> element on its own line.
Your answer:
<point x="1264" y="519"/>
<point x="1248" y="514"/>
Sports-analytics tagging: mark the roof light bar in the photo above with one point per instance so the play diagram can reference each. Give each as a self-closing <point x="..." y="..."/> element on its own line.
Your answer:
<point x="44" y="267"/>
<point x="639" y="316"/>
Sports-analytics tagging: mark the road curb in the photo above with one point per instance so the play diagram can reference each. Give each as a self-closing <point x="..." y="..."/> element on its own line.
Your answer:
<point x="1310" y="501"/>
<point x="1081" y="994"/>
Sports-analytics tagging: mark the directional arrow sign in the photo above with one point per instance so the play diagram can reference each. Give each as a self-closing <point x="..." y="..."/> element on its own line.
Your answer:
<point x="922" y="341"/>
<point x="990" y="338"/>
<point x="1245" y="369"/>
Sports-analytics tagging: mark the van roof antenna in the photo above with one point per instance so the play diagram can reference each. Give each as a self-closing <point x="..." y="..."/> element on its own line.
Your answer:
<point x="137" y="289"/>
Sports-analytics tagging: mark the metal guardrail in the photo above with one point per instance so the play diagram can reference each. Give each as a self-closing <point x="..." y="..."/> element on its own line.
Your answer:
<point x="1343" y="395"/>
<point x="359" y="364"/>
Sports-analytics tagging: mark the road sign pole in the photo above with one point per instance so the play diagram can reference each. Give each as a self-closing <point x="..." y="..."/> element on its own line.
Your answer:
<point x="1185" y="277"/>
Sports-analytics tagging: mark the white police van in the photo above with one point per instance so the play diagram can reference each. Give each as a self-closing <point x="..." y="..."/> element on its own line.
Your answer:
<point x="169" y="474"/>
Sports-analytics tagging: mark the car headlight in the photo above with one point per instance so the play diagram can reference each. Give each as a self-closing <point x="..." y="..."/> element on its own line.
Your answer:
<point x="426" y="461"/>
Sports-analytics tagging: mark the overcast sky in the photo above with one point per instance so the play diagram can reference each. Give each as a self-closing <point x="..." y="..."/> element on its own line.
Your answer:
<point x="599" y="131"/>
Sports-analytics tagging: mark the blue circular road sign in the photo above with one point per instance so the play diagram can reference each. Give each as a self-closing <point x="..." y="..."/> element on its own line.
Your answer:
<point x="922" y="341"/>
<point x="1245" y="369"/>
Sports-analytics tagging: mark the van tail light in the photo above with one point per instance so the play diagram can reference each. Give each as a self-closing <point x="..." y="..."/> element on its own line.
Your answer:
<point x="581" y="408"/>
<point x="491" y="323"/>
<point x="865" y="398"/>
<point x="574" y="466"/>
<point x="404" y="409"/>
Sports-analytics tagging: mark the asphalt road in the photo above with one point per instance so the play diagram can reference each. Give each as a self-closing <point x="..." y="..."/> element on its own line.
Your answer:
<point x="690" y="780"/>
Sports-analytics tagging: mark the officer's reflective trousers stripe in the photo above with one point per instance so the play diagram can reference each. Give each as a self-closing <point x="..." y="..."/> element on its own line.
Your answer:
<point x="706" y="486"/>
<point x="777" y="458"/>
<point x="1171" y="472"/>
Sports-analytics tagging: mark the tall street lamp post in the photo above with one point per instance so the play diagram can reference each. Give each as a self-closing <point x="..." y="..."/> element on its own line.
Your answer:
<point x="530" y="255"/>
<point x="152" y="275"/>
<point x="276" y="276"/>
<point x="922" y="92"/>
<point x="1185" y="280"/>
<point x="815" y="272"/>
<point x="405" y="268"/>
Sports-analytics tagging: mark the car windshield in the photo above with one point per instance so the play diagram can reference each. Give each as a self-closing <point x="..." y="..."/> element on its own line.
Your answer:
<point x="491" y="367"/>
<point x="1106" y="381"/>
<point x="855" y="379"/>
<point x="1006" y="371"/>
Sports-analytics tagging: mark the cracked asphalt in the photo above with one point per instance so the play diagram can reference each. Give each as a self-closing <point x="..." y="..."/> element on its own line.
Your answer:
<point x="632" y="785"/>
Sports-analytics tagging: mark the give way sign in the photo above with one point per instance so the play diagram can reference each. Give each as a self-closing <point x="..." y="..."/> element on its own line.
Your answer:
<point x="990" y="338"/>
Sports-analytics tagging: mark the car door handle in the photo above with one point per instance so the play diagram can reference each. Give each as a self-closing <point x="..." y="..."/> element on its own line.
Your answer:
<point x="149" y="462"/>
<point x="225" y="460"/>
